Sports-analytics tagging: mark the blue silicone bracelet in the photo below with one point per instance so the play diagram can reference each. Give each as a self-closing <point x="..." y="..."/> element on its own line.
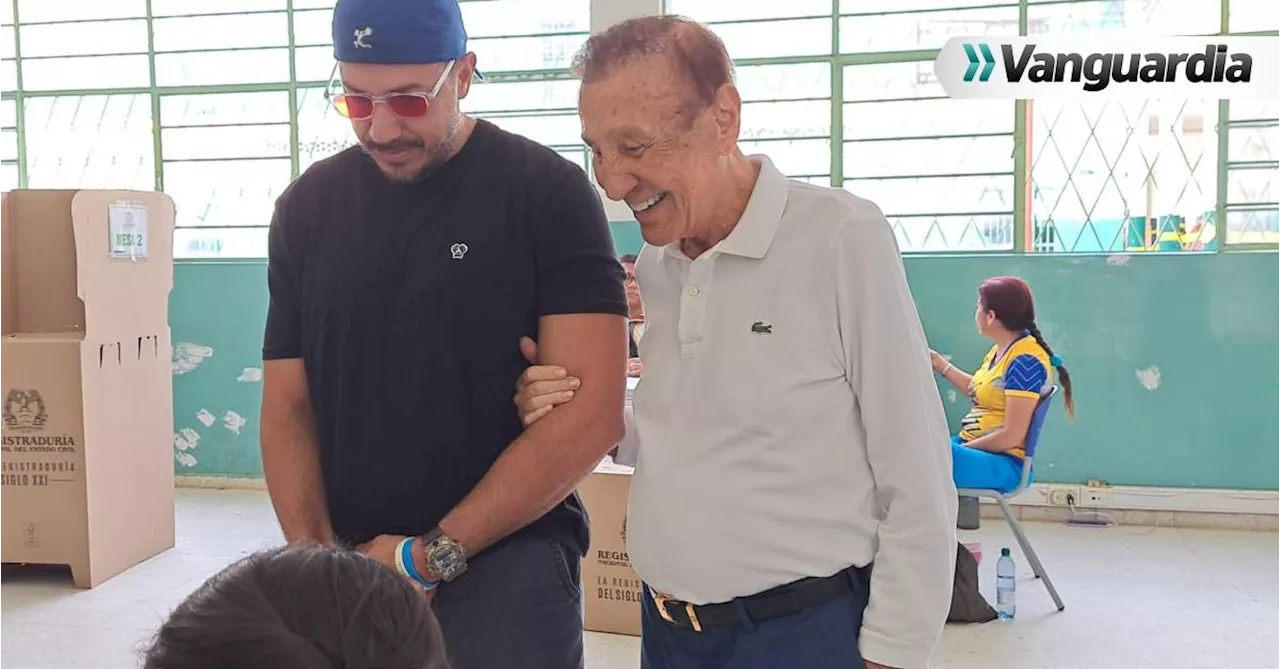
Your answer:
<point x="406" y="558"/>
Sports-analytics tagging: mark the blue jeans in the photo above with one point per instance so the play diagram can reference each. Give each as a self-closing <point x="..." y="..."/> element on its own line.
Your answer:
<point x="820" y="637"/>
<point x="972" y="468"/>
<point x="518" y="605"/>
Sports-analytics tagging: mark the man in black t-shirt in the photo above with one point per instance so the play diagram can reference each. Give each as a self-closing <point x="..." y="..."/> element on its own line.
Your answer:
<point x="402" y="275"/>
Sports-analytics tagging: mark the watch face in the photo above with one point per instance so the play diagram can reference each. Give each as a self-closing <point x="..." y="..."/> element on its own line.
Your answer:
<point x="448" y="560"/>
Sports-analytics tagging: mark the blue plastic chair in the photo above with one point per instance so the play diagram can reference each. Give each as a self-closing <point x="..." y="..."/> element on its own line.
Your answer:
<point x="1002" y="498"/>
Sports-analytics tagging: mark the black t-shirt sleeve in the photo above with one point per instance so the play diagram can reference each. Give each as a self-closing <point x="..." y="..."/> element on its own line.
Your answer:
<point x="578" y="271"/>
<point x="283" y="337"/>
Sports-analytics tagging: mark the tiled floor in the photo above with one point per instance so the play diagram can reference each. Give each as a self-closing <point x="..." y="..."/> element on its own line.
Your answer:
<point x="1136" y="597"/>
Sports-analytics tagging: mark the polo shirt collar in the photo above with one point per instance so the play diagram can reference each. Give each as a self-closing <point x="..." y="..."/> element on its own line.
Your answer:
<point x="754" y="232"/>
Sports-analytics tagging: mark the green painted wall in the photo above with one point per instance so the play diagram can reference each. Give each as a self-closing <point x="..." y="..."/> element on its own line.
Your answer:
<point x="1207" y="323"/>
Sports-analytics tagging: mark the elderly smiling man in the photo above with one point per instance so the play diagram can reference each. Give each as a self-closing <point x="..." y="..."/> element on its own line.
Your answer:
<point x="787" y="432"/>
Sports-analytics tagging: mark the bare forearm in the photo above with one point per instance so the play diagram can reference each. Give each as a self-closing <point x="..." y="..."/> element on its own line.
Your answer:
<point x="957" y="377"/>
<point x="291" y="463"/>
<point x="537" y="472"/>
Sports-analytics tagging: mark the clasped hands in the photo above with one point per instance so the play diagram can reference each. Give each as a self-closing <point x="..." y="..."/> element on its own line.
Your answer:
<point x="382" y="549"/>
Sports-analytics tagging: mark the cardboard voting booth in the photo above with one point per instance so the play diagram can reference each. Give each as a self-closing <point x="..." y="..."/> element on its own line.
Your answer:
<point x="87" y="387"/>
<point x="613" y="589"/>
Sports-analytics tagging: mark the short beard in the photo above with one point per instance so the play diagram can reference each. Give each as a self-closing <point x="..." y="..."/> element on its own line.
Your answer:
<point x="444" y="150"/>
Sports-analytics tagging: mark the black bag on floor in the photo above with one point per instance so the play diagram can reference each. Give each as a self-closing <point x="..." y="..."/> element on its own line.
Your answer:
<point x="967" y="603"/>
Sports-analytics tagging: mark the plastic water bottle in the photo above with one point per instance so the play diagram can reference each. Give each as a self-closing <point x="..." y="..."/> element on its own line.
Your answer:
<point x="1005" y="586"/>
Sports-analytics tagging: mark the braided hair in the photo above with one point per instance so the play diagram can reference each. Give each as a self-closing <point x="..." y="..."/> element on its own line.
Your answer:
<point x="1010" y="299"/>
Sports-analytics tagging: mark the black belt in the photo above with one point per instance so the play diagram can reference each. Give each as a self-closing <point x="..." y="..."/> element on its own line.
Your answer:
<point x="779" y="602"/>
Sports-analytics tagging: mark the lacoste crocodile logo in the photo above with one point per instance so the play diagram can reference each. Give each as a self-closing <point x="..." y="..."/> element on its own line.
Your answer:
<point x="760" y="327"/>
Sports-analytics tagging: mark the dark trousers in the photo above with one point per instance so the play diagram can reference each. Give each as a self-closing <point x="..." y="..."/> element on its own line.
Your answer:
<point x="820" y="637"/>
<point x="518" y="605"/>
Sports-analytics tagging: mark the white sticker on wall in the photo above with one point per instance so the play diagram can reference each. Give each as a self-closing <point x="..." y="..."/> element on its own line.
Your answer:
<point x="233" y="421"/>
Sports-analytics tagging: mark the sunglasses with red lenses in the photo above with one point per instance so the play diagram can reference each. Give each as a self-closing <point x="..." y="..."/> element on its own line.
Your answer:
<point x="360" y="106"/>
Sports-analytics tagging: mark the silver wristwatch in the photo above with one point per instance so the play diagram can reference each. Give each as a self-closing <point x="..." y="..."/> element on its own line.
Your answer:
<point x="445" y="558"/>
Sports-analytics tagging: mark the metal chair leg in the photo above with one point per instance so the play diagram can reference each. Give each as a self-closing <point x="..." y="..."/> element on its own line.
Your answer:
<point x="1030" y="552"/>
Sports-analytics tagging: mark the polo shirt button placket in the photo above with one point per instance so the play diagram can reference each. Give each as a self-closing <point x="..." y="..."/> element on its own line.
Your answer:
<point x="693" y="305"/>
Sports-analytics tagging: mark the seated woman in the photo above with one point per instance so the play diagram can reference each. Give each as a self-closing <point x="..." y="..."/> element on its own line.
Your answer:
<point x="302" y="607"/>
<point x="1017" y="371"/>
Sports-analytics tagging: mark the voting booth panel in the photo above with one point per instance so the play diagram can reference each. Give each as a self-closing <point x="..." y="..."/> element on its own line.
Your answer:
<point x="87" y="385"/>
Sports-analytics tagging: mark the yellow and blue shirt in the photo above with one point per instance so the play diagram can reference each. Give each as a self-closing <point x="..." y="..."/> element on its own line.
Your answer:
<point x="1023" y="371"/>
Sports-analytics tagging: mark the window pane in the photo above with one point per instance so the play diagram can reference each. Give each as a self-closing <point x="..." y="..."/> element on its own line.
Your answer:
<point x="314" y="27"/>
<point x="961" y="155"/>
<point x="218" y="32"/>
<point x="226" y="193"/>
<point x="739" y="10"/>
<point x="783" y="82"/>
<point x="8" y="177"/>
<point x="194" y="244"/>
<point x="794" y="157"/>
<point x="8" y="144"/>
<point x="936" y="195"/>
<point x="525" y="17"/>
<point x="321" y="131"/>
<point x="6" y="41"/>
<point x="261" y="66"/>
<point x="953" y="233"/>
<point x="774" y="39"/>
<point x="526" y="53"/>
<point x="873" y="6"/>
<point x="188" y="7"/>
<point x="809" y="118"/>
<point x="96" y="72"/>
<point x="1253" y="227"/>
<point x="546" y="129"/>
<point x="9" y="76"/>
<point x="1243" y="110"/>
<point x="314" y="63"/>
<point x="1097" y="165"/>
<point x="42" y="11"/>
<point x="313" y="4"/>
<point x="8" y="114"/>
<point x="916" y="118"/>
<point x="891" y="81"/>
<point x="1253" y="15"/>
<point x="84" y="39"/>
<point x="224" y="108"/>
<point x="1167" y="18"/>
<point x="1253" y="144"/>
<point x="924" y="30"/>
<point x="1251" y="186"/>
<point x="252" y="141"/>
<point x="97" y="141"/>
<point x="497" y="97"/>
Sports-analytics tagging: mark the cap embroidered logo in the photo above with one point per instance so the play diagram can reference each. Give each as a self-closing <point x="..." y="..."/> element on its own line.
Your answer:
<point x="458" y="251"/>
<point x="360" y="34"/>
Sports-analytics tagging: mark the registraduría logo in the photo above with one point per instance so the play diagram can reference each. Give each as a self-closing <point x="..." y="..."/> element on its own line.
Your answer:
<point x="24" y="410"/>
<point x="1119" y="66"/>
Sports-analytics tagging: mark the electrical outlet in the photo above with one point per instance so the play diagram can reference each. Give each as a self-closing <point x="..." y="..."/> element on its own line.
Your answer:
<point x="1095" y="497"/>
<point x="1062" y="496"/>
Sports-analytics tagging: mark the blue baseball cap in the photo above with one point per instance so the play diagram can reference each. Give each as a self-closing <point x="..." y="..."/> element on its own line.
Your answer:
<point x="414" y="32"/>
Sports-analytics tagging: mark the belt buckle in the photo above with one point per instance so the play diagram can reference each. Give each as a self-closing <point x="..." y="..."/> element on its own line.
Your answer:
<point x="660" y="600"/>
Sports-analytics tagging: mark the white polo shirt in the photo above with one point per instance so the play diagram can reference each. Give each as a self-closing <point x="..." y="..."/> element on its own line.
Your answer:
<point x="787" y="424"/>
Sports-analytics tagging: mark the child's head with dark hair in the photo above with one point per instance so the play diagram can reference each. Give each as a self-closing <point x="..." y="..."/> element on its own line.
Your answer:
<point x="301" y="608"/>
